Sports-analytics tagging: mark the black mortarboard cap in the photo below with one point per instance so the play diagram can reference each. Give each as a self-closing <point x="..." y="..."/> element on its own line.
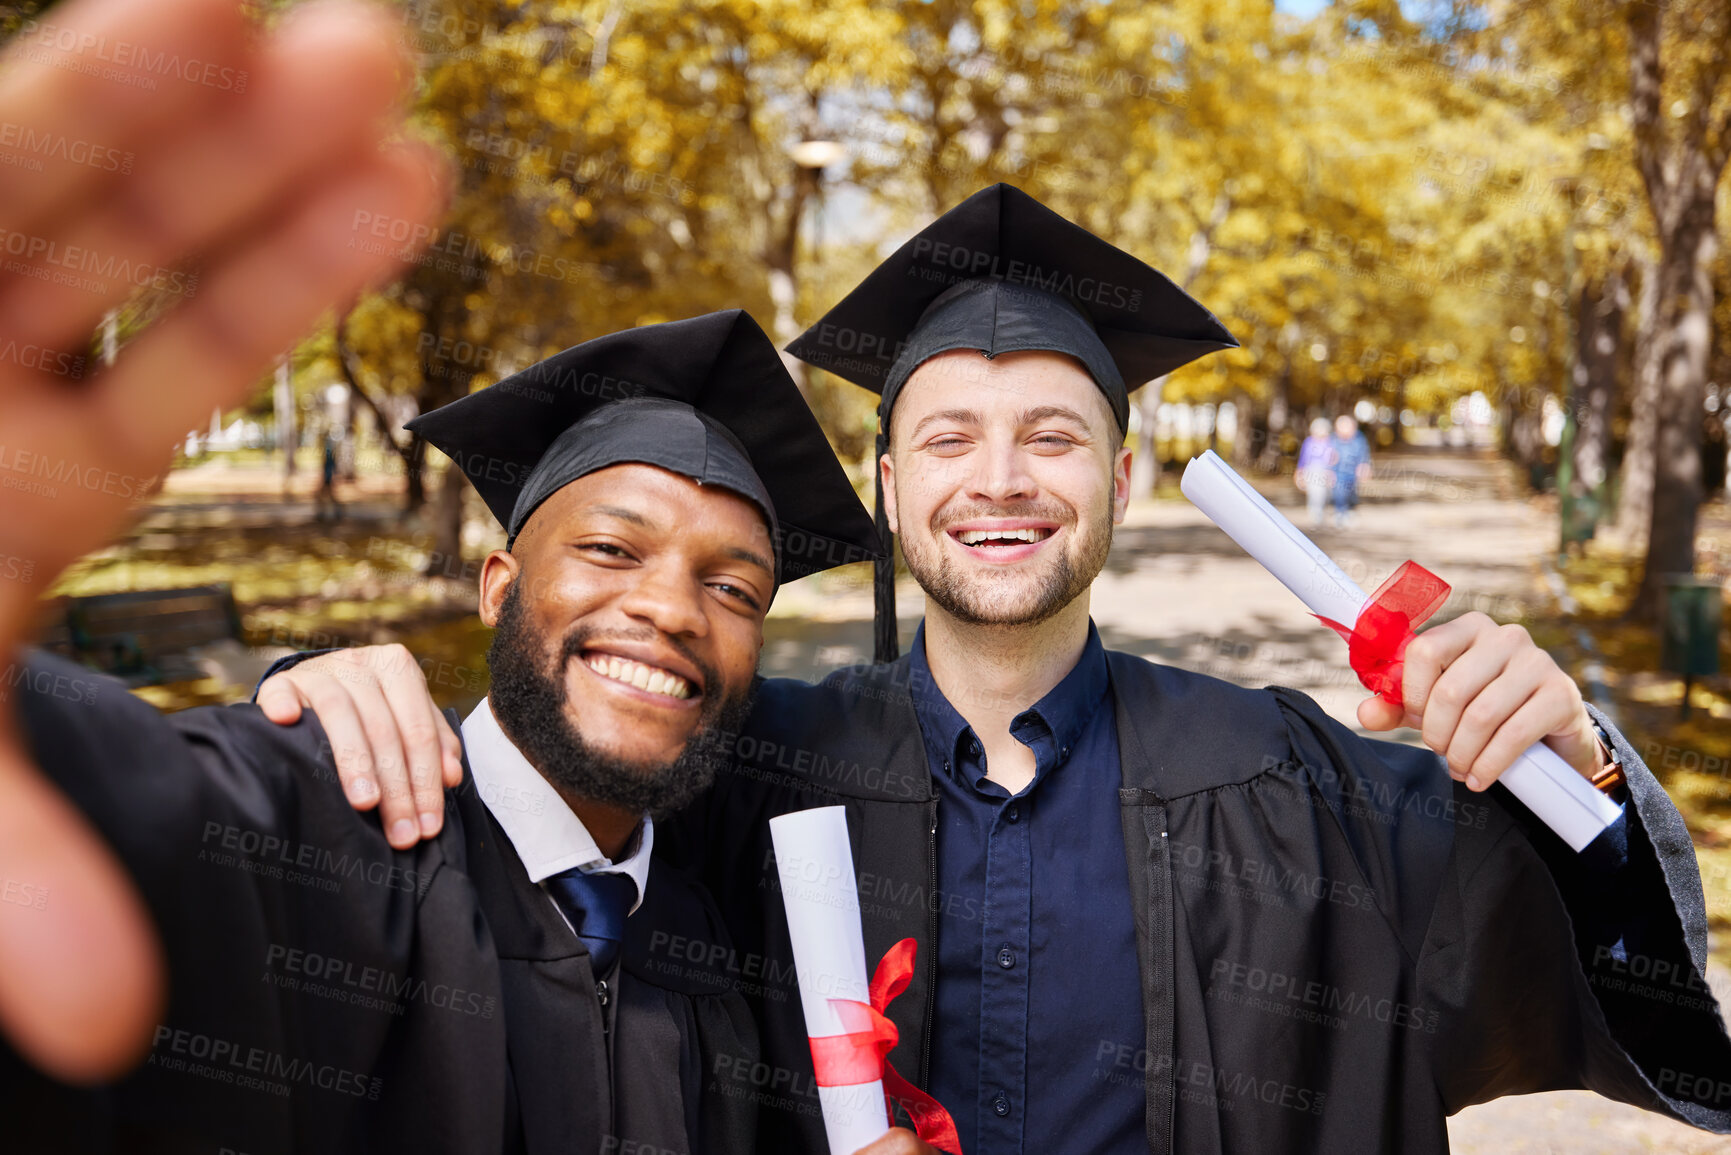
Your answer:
<point x="1037" y="276"/>
<point x="708" y="398"/>
<point x="1001" y="272"/>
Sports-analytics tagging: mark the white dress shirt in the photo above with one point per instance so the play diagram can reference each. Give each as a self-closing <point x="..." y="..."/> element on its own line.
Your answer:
<point x="547" y="836"/>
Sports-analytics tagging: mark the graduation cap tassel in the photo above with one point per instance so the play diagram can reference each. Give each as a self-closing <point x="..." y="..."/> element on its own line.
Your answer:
<point x="885" y="646"/>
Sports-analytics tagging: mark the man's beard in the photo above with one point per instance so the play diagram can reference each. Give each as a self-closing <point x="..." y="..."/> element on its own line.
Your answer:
<point x="530" y="705"/>
<point x="980" y="600"/>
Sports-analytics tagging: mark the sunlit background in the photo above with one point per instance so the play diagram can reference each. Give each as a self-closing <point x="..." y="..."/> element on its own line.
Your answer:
<point x="1470" y="225"/>
<point x="1487" y="230"/>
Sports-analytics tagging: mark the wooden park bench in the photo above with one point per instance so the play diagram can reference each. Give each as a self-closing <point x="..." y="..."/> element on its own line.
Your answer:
<point x="150" y="637"/>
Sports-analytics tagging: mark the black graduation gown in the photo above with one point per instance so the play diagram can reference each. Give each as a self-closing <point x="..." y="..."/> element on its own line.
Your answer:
<point x="330" y="994"/>
<point x="665" y="1017"/>
<point x="1339" y="946"/>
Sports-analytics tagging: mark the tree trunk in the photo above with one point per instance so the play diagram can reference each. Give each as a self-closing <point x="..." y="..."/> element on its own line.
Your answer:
<point x="1279" y="417"/>
<point x="1686" y="318"/>
<point x="1399" y="409"/>
<point x="447" y="555"/>
<point x="1145" y="462"/>
<point x="1635" y="502"/>
<point x="781" y="255"/>
<point x="346" y="362"/>
<point x="1524" y="439"/>
<point x="1599" y="336"/>
<point x="439" y="386"/>
<point x="414" y="481"/>
<point x="346" y="451"/>
<point x="287" y="435"/>
<point x="1713" y="445"/>
<point x="1680" y="151"/>
<point x="1250" y="432"/>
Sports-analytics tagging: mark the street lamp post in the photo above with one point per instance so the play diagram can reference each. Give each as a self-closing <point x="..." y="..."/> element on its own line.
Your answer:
<point x="810" y="158"/>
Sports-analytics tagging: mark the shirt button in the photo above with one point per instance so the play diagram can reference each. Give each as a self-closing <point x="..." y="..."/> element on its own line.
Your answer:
<point x="1006" y="957"/>
<point x="1000" y="1104"/>
<point x="1012" y="813"/>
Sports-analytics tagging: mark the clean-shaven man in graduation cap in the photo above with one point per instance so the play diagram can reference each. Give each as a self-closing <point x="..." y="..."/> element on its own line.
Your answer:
<point x="493" y="989"/>
<point x="1155" y="911"/>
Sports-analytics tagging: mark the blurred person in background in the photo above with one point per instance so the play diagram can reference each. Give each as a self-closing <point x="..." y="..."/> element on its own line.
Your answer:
<point x="326" y="504"/>
<point x="1315" y="473"/>
<point x="1350" y="454"/>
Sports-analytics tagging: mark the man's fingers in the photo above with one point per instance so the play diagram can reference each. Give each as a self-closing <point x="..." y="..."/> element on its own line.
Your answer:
<point x="320" y="94"/>
<point x="114" y="433"/>
<point x="398" y="811"/>
<point x="1376" y="714"/>
<point x="418" y="721"/>
<point x="255" y="303"/>
<point x="87" y="123"/>
<point x="1499" y="700"/>
<point x="1454" y="702"/>
<point x="1535" y="718"/>
<point x="392" y="746"/>
<point x="279" y="701"/>
<point x="1428" y="695"/>
<point x="453" y="747"/>
<point x="1430" y="653"/>
<point x="1482" y="693"/>
<point x="81" y="978"/>
<point x="81" y="972"/>
<point x="351" y="748"/>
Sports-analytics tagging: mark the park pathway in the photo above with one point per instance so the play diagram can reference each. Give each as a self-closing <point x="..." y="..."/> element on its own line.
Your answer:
<point x="1178" y="591"/>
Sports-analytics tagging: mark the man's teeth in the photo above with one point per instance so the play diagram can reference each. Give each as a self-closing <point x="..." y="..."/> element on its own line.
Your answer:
<point x="976" y="536"/>
<point x="651" y="678"/>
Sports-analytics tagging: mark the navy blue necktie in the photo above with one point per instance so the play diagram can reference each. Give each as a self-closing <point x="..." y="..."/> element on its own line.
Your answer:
<point x="596" y="906"/>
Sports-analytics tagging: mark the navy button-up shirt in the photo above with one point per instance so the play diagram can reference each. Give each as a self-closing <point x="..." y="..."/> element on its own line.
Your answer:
<point x="1037" y="984"/>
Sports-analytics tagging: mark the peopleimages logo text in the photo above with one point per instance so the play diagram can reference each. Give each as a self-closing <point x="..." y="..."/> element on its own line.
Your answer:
<point x="138" y="57"/>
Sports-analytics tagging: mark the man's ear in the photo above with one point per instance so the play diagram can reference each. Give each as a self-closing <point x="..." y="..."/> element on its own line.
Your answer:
<point x="887" y="486"/>
<point x="1120" y="484"/>
<point x="499" y="572"/>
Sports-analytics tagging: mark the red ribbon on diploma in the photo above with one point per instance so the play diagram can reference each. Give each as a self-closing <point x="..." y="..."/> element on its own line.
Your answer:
<point x="862" y="1055"/>
<point x="1377" y="641"/>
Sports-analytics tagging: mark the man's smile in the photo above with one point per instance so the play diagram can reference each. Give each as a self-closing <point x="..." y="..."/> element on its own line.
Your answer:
<point x="648" y="675"/>
<point x="1002" y="539"/>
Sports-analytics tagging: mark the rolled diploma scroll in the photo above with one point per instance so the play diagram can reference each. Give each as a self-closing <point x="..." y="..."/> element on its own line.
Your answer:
<point x="815" y="863"/>
<point x="1545" y="784"/>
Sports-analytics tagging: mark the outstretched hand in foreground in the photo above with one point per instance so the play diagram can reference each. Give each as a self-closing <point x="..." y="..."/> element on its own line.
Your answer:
<point x="259" y="157"/>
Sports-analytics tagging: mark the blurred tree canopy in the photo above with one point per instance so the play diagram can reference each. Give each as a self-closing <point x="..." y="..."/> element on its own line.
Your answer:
<point x="1401" y="202"/>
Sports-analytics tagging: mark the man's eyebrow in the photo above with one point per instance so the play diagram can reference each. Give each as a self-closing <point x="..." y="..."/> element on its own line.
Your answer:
<point x="959" y="416"/>
<point x="623" y="514"/>
<point x="739" y="553"/>
<point x="1046" y="412"/>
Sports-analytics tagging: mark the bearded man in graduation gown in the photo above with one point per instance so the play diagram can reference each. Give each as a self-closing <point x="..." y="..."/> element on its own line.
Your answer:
<point x="1155" y="911"/>
<point x="493" y="989"/>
